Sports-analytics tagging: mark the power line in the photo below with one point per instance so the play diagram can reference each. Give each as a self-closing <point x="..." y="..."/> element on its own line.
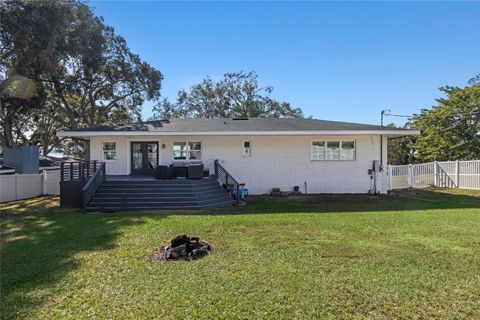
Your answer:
<point x="398" y="115"/>
<point x="388" y="113"/>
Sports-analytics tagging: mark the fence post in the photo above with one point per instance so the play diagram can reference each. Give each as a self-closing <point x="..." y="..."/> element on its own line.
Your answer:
<point x="435" y="174"/>
<point x="457" y="174"/>
<point x="390" y="178"/>
<point x="16" y="186"/>
<point x="410" y="176"/>
<point x="44" y="182"/>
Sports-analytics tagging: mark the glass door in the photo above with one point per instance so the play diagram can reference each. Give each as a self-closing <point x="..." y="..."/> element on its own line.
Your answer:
<point x="144" y="158"/>
<point x="152" y="156"/>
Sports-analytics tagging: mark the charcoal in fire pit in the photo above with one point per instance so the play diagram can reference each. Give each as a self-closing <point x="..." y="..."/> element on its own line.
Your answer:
<point x="179" y="240"/>
<point x="183" y="247"/>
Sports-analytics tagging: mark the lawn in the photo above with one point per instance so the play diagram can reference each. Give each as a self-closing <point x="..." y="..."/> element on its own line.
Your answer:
<point x="415" y="255"/>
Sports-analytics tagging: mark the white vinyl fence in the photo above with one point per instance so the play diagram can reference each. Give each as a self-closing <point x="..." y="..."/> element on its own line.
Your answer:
<point x="23" y="186"/>
<point x="445" y="174"/>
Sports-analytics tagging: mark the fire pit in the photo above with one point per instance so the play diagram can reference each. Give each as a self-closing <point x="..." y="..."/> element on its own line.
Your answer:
<point x="183" y="247"/>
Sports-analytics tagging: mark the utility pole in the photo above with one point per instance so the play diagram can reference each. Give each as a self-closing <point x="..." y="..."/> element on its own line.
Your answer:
<point x="388" y="113"/>
<point x="383" y="114"/>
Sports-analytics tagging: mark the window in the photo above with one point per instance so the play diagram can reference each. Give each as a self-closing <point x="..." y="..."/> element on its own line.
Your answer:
<point x="109" y="151"/>
<point x="194" y="151"/>
<point x="179" y="150"/>
<point x="187" y="151"/>
<point x="318" y="150"/>
<point x="347" y="152"/>
<point x="247" y="150"/>
<point x="333" y="150"/>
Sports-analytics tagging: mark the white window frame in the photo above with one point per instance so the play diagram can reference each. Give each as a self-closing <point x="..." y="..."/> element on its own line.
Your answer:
<point x="325" y="150"/>
<point x="103" y="151"/>
<point x="311" y="150"/>
<point x="247" y="151"/>
<point x="187" y="150"/>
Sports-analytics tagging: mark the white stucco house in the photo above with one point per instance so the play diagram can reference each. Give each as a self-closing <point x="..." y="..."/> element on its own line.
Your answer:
<point x="264" y="153"/>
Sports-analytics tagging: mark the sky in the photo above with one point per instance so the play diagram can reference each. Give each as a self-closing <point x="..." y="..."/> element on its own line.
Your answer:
<point x="342" y="61"/>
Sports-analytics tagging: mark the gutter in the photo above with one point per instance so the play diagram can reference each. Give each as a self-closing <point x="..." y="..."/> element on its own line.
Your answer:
<point x="238" y="133"/>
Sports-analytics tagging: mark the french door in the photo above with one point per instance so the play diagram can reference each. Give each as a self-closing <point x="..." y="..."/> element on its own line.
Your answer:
<point x="144" y="157"/>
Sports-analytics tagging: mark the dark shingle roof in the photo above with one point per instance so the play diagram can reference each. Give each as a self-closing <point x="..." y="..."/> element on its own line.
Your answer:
<point x="224" y="124"/>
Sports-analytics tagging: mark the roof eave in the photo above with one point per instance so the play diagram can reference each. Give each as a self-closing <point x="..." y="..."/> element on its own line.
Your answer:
<point x="238" y="133"/>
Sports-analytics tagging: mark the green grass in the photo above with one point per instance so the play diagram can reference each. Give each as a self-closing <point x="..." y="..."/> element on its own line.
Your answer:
<point x="414" y="255"/>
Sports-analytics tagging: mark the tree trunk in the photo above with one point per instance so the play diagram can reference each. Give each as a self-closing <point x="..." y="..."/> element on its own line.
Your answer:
<point x="7" y="133"/>
<point x="45" y="149"/>
<point x="86" y="145"/>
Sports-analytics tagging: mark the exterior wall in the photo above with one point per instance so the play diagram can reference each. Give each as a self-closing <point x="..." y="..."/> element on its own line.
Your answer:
<point x="121" y="165"/>
<point x="276" y="161"/>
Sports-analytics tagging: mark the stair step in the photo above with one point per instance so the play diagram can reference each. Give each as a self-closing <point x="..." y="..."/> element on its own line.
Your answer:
<point x="157" y="204"/>
<point x="117" y="209"/>
<point x="118" y="183"/>
<point x="162" y="182"/>
<point x="159" y="191"/>
<point x="159" y="187"/>
<point x="104" y="207"/>
<point x="101" y="208"/>
<point x="159" y="194"/>
<point x="178" y="197"/>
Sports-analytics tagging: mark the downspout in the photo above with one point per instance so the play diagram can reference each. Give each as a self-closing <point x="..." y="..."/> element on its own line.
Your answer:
<point x="381" y="152"/>
<point x="381" y="165"/>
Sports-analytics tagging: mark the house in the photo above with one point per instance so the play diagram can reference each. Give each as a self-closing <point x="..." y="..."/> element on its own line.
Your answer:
<point x="318" y="156"/>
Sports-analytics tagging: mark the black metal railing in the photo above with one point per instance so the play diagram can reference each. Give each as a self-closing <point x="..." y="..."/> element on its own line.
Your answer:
<point x="78" y="170"/>
<point x="93" y="183"/>
<point x="227" y="181"/>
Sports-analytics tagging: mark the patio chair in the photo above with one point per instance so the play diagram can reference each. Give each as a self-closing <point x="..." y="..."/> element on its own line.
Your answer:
<point x="195" y="171"/>
<point x="161" y="172"/>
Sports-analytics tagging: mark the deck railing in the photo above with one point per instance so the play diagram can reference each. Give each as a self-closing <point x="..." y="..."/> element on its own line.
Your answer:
<point x="228" y="181"/>
<point x="93" y="183"/>
<point x="78" y="170"/>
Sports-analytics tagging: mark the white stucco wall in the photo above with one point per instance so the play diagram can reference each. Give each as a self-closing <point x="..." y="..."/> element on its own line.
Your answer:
<point x="276" y="161"/>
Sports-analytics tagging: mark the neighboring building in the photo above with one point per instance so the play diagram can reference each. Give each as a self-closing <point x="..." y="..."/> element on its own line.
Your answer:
<point x="44" y="163"/>
<point x="24" y="159"/>
<point x="6" y="169"/>
<point x="316" y="155"/>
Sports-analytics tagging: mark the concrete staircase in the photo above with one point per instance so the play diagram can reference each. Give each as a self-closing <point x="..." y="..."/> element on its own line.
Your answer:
<point x="159" y="194"/>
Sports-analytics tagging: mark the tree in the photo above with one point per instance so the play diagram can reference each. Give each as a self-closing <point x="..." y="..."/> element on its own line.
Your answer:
<point x="400" y="151"/>
<point x="84" y="73"/>
<point x="451" y="130"/>
<point x="236" y="95"/>
<point x="33" y="42"/>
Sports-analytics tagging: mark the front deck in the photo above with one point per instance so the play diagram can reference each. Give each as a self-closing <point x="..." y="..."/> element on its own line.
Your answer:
<point x="86" y="185"/>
